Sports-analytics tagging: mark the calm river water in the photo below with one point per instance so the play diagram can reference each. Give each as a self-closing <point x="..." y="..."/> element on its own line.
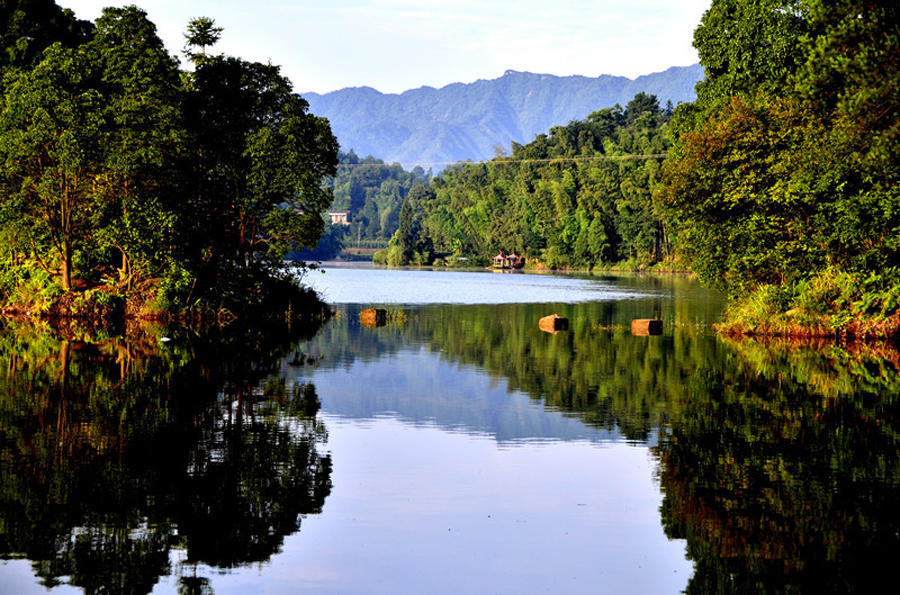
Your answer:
<point x="456" y="448"/>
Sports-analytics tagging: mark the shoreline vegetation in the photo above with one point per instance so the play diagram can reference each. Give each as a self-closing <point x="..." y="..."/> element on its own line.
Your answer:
<point x="111" y="306"/>
<point x="133" y="189"/>
<point x="783" y="186"/>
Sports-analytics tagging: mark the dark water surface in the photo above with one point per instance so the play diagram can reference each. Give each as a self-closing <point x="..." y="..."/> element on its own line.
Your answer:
<point x="458" y="448"/>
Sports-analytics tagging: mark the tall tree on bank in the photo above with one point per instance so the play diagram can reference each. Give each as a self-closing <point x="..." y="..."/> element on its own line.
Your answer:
<point x="51" y="129"/>
<point x="201" y="32"/>
<point x="260" y="162"/>
<point x="143" y="138"/>
<point x="787" y="169"/>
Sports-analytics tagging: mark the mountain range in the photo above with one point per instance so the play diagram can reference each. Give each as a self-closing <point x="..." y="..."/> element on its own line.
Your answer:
<point x="461" y="121"/>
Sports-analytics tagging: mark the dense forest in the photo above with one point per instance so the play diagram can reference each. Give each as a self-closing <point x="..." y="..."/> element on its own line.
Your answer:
<point x="371" y="192"/>
<point x="784" y="184"/>
<point x="578" y="196"/>
<point x="131" y="184"/>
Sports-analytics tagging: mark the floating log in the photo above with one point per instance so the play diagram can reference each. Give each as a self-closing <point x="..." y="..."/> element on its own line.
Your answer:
<point x="646" y="326"/>
<point x="553" y="324"/>
<point x="372" y="317"/>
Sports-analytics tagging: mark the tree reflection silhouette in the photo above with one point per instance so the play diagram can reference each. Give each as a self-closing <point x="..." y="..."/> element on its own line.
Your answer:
<point x="779" y="463"/>
<point x="115" y="453"/>
<point x="785" y="485"/>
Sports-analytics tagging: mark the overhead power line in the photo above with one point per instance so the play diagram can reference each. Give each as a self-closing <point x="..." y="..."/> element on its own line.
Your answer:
<point x="513" y="161"/>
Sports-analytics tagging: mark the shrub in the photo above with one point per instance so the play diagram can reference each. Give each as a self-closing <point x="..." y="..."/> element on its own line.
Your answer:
<point x="28" y="284"/>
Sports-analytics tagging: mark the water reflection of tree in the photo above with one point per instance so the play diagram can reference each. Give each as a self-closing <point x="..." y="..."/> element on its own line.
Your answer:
<point x="612" y="379"/>
<point x="779" y="463"/>
<point x="782" y="481"/>
<point x="116" y="452"/>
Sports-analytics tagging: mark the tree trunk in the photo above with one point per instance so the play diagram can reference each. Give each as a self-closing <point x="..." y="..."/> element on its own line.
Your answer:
<point x="123" y="272"/>
<point x="61" y="421"/>
<point x="67" y="266"/>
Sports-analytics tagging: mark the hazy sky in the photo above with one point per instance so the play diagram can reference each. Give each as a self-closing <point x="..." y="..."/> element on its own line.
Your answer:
<point x="394" y="45"/>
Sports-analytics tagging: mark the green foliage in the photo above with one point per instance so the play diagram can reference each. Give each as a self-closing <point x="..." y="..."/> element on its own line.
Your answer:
<point x="29" y="284"/>
<point x="113" y="160"/>
<point x="372" y="192"/>
<point x="411" y="244"/>
<point x="251" y="132"/>
<point x="748" y="46"/>
<point x="28" y="27"/>
<point x="201" y="32"/>
<point x="827" y="291"/>
<point x="830" y="302"/>
<point x="789" y="163"/>
<point x="390" y="256"/>
<point x="143" y="139"/>
<point x="576" y="197"/>
<point x="50" y="140"/>
<point x="175" y="289"/>
<point x="330" y="245"/>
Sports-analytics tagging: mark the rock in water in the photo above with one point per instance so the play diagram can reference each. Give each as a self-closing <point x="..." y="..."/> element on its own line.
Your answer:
<point x="553" y="323"/>
<point x="646" y="326"/>
<point x="372" y="317"/>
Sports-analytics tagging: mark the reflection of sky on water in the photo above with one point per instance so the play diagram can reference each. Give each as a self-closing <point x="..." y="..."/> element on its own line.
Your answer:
<point x="446" y="481"/>
<point x="341" y="285"/>
<point x="452" y="397"/>
<point x="416" y="509"/>
<point x="428" y="511"/>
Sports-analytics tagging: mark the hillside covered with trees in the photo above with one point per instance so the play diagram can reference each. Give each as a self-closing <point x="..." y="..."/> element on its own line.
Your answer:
<point x="371" y="192"/>
<point x="128" y="183"/>
<point x="580" y="196"/>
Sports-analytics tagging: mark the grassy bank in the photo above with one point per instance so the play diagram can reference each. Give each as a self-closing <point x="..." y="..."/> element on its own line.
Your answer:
<point x="830" y="304"/>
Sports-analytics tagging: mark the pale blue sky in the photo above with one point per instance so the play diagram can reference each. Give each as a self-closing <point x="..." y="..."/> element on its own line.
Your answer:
<point x="394" y="45"/>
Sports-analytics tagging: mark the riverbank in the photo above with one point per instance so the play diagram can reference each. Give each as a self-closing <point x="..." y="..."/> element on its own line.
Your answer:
<point x="801" y="324"/>
<point x="113" y="305"/>
<point x="831" y="304"/>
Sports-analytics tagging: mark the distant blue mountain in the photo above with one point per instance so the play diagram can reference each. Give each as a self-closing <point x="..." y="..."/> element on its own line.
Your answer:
<point x="466" y="121"/>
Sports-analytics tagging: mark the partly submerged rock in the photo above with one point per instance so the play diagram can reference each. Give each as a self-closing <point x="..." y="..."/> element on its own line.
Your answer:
<point x="646" y="326"/>
<point x="553" y="323"/>
<point x="372" y="317"/>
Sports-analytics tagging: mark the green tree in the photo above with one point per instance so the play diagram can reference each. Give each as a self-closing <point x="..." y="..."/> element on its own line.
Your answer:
<point x="201" y="32"/>
<point x="410" y="244"/>
<point x="789" y="162"/>
<point x="144" y="137"/>
<point x="28" y="27"/>
<point x="51" y="132"/>
<point x="748" y="46"/>
<point x="261" y="160"/>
